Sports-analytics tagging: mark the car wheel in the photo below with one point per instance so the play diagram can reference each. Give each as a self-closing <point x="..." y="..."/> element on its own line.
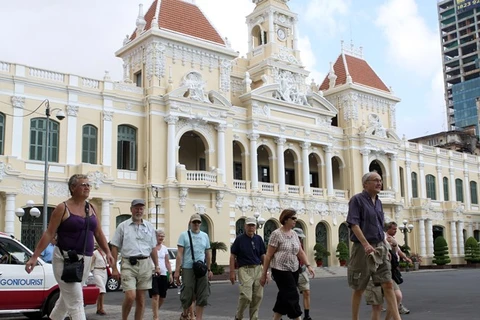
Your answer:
<point x="112" y="285"/>
<point x="33" y="315"/>
<point x="51" y="302"/>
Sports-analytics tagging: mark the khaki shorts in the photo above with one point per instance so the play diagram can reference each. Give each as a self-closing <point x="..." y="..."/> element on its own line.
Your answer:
<point x="373" y="294"/>
<point x="137" y="277"/>
<point x="359" y="273"/>
<point x="303" y="281"/>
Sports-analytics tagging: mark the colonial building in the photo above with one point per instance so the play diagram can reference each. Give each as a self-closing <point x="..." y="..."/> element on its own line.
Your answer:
<point x="194" y="128"/>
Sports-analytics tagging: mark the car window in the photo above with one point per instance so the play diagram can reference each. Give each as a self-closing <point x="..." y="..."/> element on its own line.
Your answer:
<point x="12" y="253"/>
<point x="172" y="253"/>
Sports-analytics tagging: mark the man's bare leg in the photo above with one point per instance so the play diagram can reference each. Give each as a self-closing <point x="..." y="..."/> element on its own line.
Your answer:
<point x="391" y="300"/>
<point x="127" y="304"/>
<point x="140" y="305"/>
<point x="356" y="298"/>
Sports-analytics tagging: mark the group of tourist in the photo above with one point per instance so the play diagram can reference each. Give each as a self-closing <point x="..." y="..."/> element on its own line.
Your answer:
<point x="145" y="261"/>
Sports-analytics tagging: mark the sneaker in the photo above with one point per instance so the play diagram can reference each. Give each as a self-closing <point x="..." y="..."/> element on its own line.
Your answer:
<point x="383" y="309"/>
<point x="403" y="310"/>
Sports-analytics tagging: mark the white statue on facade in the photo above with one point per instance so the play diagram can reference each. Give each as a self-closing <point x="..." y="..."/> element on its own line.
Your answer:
<point x="196" y="87"/>
<point x="375" y="124"/>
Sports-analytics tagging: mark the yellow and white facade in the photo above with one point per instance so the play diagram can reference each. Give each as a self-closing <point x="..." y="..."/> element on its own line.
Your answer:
<point x="227" y="137"/>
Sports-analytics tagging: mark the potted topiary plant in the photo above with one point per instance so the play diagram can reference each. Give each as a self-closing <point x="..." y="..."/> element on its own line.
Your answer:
<point x="342" y="253"/>
<point x="320" y="253"/>
<point x="472" y="252"/>
<point x="440" y="252"/>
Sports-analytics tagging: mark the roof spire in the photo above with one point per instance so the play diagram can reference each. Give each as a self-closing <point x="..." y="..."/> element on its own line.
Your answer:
<point x="141" y="23"/>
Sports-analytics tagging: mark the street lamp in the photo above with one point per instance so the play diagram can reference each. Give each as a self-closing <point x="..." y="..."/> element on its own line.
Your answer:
<point x="34" y="213"/>
<point x="60" y="116"/>
<point x="260" y="220"/>
<point x="405" y="228"/>
<point x="157" y="203"/>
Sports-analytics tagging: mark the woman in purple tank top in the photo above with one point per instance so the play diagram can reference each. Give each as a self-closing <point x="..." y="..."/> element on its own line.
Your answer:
<point x="69" y="223"/>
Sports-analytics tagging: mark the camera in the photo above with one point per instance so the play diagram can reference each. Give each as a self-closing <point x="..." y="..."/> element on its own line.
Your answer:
<point x="72" y="255"/>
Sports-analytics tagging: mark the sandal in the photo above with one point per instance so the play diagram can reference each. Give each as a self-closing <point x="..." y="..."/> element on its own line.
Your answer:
<point x="184" y="316"/>
<point x="101" y="312"/>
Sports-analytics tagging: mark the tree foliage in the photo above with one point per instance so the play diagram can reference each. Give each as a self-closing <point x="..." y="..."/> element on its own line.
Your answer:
<point x="440" y="251"/>
<point x="217" y="246"/>
<point x="472" y="250"/>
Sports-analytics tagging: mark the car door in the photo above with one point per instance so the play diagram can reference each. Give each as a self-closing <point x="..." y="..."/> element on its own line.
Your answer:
<point x="18" y="289"/>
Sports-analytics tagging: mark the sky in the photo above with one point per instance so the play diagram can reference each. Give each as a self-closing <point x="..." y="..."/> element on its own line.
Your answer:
<point x="400" y="41"/>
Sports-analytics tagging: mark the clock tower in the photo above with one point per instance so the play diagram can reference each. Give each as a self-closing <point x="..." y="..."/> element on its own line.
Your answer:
<point x="272" y="41"/>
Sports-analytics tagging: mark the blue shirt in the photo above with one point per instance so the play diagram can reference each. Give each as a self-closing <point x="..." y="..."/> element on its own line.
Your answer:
<point x="368" y="216"/>
<point x="248" y="251"/>
<point x="47" y="254"/>
<point x="200" y="242"/>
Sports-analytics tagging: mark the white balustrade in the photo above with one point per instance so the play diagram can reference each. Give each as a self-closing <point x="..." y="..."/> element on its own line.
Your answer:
<point x="47" y="75"/>
<point x="240" y="184"/>
<point x="293" y="189"/>
<point x="383" y="195"/>
<point x="317" y="192"/>
<point x="127" y="87"/>
<point x="4" y="66"/>
<point x="90" y="83"/>
<point x="267" y="187"/>
<point x="201" y="176"/>
<point x="340" y="193"/>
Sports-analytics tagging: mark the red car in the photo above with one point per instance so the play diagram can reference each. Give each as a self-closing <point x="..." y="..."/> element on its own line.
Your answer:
<point x="33" y="294"/>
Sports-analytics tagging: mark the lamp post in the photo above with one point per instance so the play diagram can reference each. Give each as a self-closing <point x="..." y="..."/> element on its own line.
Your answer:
<point x="60" y="116"/>
<point x="157" y="203"/>
<point x="405" y="229"/>
<point x="34" y="213"/>
<point x="260" y="221"/>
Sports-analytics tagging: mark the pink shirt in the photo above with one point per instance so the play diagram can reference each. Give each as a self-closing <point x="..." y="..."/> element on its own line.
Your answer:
<point x="288" y="246"/>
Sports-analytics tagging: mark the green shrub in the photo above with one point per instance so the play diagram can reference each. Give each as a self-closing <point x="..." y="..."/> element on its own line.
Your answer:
<point x="216" y="269"/>
<point x="320" y="252"/>
<point x="472" y="250"/>
<point x="342" y="251"/>
<point x="440" y="251"/>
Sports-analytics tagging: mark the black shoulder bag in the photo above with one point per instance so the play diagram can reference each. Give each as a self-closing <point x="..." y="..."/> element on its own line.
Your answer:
<point x="73" y="267"/>
<point x="396" y="274"/>
<point x="199" y="267"/>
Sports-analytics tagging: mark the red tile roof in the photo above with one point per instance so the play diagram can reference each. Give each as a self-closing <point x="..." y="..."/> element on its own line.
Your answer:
<point x="182" y="17"/>
<point x="359" y="70"/>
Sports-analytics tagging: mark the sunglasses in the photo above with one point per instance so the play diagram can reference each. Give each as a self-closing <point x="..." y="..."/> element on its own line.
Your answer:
<point x="294" y="218"/>
<point x="196" y="222"/>
<point x="85" y="185"/>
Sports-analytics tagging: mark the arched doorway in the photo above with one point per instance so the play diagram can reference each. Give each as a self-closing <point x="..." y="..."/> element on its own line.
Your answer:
<point x="343" y="233"/>
<point x="437" y="232"/>
<point x="268" y="228"/>
<point x="376" y="166"/>
<point x="119" y="219"/>
<point x="204" y="226"/>
<point x="240" y="226"/>
<point x="192" y="152"/>
<point x="321" y="236"/>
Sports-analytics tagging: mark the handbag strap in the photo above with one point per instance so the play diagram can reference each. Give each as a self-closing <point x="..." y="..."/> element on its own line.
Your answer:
<point x="191" y="245"/>
<point x="87" y="211"/>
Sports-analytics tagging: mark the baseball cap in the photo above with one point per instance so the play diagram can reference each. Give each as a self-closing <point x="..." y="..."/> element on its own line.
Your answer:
<point x="195" y="217"/>
<point x="251" y="220"/>
<point x="299" y="232"/>
<point x="138" y="202"/>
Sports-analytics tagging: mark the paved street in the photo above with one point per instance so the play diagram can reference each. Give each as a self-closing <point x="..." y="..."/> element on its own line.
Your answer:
<point x="430" y="295"/>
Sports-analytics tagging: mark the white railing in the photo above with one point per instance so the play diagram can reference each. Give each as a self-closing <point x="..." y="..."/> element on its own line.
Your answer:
<point x="429" y="149"/>
<point x="386" y="195"/>
<point x="240" y="184"/>
<point x="4" y="66"/>
<point x="293" y="189"/>
<point x="340" y="193"/>
<point x="317" y="192"/>
<point x="201" y="176"/>
<point x="127" y="87"/>
<point x="90" y="83"/>
<point x="267" y="187"/>
<point x="48" y="75"/>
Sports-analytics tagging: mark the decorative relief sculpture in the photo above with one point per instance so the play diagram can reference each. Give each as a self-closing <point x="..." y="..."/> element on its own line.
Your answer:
<point x="35" y="188"/>
<point x="375" y="126"/>
<point x="196" y="87"/>
<point x="225" y="71"/>
<point x="290" y="87"/>
<point x="286" y="55"/>
<point x="243" y="204"/>
<point x="72" y="111"/>
<point x="182" y="201"/>
<point x="18" y="102"/>
<point x="219" y="197"/>
<point x="96" y="178"/>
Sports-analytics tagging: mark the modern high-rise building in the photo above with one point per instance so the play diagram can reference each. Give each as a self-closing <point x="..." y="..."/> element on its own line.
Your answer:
<point x="459" y="22"/>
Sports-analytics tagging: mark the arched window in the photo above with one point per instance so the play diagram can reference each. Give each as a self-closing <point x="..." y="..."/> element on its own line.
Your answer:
<point x="127" y="148"/>
<point x="445" y="189"/>
<point x="402" y="182"/>
<point x="459" y="189"/>
<point x="38" y="130"/>
<point x="89" y="144"/>
<point x="430" y="184"/>
<point x="2" y="133"/>
<point x="473" y="192"/>
<point x="414" y="185"/>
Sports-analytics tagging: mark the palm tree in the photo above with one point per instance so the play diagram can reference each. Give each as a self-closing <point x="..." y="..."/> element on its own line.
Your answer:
<point x="217" y="246"/>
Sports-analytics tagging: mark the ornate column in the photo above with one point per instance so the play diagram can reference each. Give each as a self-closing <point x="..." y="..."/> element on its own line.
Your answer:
<point x="365" y="152"/>
<point x="72" y="134"/>
<point x="453" y="190"/>
<point x="394" y="170"/>
<point x="280" y="164"/>
<point x="470" y="230"/>
<point x="423" y="185"/>
<point x="295" y="33"/>
<point x="328" y="169"/>
<point x="421" y="232"/>
<point x="408" y="165"/>
<point x="439" y="183"/>
<point x="271" y="28"/>
<point x="306" y="168"/>
<point x="453" y="238"/>
<point x="171" y="147"/>
<point x="18" y="104"/>
<point x="106" y="218"/>
<point x="253" y="160"/>
<point x="429" y="238"/>
<point x="107" y="138"/>
<point x="466" y="183"/>
<point x="461" y="240"/>
<point x="221" y="151"/>
<point x="10" y="213"/>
